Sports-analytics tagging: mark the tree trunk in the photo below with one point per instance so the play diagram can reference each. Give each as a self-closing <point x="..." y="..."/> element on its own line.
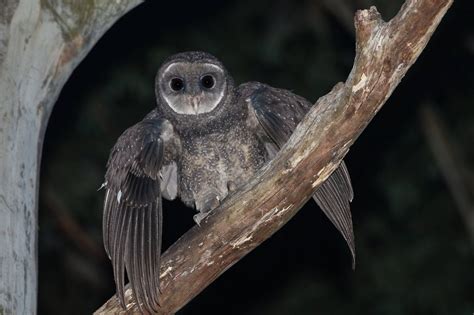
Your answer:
<point x="41" y="42"/>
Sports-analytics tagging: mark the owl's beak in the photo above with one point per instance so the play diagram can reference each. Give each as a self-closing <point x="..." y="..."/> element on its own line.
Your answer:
<point x="195" y="101"/>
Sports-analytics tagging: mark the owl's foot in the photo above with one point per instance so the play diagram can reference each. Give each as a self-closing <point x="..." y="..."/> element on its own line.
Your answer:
<point x="200" y="216"/>
<point x="206" y="209"/>
<point x="231" y="186"/>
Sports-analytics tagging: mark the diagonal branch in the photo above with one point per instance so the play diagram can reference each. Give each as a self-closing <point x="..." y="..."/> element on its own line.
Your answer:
<point x="384" y="53"/>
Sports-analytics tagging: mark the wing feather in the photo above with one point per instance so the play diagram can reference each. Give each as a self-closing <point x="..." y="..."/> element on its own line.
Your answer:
<point x="333" y="197"/>
<point x="132" y="218"/>
<point x="278" y="113"/>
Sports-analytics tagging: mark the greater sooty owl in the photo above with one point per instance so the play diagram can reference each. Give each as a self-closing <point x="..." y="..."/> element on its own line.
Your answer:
<point x="205" y="138"/>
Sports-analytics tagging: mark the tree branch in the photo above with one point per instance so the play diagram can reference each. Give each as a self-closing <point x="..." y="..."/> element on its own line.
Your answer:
<point x="384" y="53"/>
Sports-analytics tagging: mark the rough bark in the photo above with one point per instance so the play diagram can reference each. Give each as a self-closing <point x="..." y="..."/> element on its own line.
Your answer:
<point x="384" y="53"/>
<point x="41" y="42"/>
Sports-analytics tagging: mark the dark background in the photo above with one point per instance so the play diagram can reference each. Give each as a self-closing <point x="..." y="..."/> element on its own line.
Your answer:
<point x="415" y="254"/>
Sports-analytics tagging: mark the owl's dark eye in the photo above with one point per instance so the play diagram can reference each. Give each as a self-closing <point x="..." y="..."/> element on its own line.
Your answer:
<point x="177" y="84"/>
<point x="208" y="81"/>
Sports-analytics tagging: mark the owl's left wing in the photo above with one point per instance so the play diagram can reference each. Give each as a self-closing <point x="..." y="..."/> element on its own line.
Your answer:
<point x="278" y="112"/>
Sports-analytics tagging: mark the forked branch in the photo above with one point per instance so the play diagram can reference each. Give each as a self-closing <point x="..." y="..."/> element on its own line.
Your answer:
<point x="384" y="53"/>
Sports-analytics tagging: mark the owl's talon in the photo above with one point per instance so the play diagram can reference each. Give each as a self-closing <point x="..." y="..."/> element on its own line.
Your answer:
<point x="231" y="186"/>
<point x="199" y="217"/>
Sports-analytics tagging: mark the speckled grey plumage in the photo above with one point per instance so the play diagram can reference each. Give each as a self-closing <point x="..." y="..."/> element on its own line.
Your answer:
<point x="199" y="158"/>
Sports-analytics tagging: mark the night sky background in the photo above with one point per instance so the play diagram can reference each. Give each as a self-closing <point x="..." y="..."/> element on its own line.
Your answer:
<point x="415" y="250"/>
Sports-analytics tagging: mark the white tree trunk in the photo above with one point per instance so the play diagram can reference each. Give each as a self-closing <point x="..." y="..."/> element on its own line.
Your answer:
<point x="41" y="42"/>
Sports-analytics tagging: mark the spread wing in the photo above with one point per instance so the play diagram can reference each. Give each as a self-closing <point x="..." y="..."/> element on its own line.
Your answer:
<point x="132" y="217"/>
<point x="278" y="112"/>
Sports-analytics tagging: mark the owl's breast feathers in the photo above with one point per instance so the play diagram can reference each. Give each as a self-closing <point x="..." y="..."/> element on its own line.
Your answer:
<point x="211" y="163"/>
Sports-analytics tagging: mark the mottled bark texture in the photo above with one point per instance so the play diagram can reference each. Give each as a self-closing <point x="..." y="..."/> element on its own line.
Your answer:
<point x="41" y="42"/>
<point x="384" y="53"/>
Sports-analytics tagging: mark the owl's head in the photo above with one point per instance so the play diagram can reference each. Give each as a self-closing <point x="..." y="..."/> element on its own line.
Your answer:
<point x="192" y="83"/>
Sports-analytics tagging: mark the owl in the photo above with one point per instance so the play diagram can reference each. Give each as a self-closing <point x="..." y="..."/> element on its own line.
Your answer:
<point x="205" y="138"/>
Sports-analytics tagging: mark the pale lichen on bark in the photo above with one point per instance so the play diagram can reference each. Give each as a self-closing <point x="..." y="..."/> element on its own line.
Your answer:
<point x="6" y="14"/>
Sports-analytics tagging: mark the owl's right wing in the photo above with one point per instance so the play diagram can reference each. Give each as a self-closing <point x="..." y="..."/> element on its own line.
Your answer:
<point x="140" y="167"/>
